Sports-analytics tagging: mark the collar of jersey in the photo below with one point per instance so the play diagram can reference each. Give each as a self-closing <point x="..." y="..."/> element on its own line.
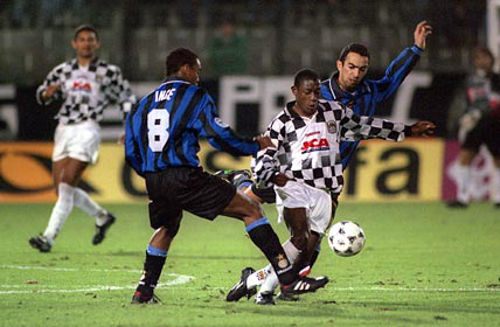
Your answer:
<point x="74" y="62"/>
<point x="337" y="92"/>
<point x="290" y="112"/>
<point x="176" y="80"/>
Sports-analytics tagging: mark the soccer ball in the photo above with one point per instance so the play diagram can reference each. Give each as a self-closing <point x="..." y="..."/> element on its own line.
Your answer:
<point x="346" y="238"/>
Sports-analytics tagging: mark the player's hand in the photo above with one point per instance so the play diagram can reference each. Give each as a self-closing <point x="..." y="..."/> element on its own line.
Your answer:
<point x="423" y="128"/>
<point x="50" y="90"/>
<point x="264" y="142"/>
<point x="422" y="30"/>
<point x="121" y="139"/>
<point x="280" y="179"/>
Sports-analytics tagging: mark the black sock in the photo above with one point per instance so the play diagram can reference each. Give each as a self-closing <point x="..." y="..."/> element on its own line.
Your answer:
<point x="265" y="238"/>
<point x="153" y="266"/>
<point x="314" y="256"/>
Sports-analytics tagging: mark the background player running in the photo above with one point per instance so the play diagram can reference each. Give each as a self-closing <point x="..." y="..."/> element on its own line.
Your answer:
<point x="86" y="85"/>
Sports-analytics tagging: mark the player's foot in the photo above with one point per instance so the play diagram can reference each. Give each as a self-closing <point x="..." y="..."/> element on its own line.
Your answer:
<point x="304" y="285"/>
<point x="141" y="298"/>
<point x="496" y="205"/>
<point x="100" y="231"/>
<point x="264" y="299"/>
<point x="41" y="243"/>
<point x="287" y="297"/>
<point x="240" y="289"/>
<point x="457" y="204"/>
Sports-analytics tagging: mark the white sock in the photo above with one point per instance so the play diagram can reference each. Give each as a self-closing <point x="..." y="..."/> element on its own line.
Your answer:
<point x="271" y="282"/>
<point x="89" y="206"/>
<point x="258" y="277"/>
<point x="291" y="251"/>
<point x="60" y="212"/>
<point x="495" y="181"/>
<point x="463" y="183"/>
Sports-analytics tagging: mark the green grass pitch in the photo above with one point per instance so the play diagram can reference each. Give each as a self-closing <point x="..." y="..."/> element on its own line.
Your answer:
<point x="422" y="265"/>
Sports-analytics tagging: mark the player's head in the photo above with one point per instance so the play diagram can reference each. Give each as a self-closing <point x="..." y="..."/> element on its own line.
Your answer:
<point x="306" y="89"/>
<point x="185" y="64"/>
<point x="352" y="65"/>
<point x="483" y="59"/>
<point x="85" y="41"/>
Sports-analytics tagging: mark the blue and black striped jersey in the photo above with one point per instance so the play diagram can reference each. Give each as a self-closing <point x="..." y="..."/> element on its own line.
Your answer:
<point x="369" y="93"/>
<point x="163" y="129"/>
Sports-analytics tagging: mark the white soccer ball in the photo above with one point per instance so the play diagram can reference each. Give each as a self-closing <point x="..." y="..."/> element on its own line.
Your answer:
<point x="346" y="238"/>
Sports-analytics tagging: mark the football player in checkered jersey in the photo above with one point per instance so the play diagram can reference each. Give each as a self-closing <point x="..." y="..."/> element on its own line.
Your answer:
<point x="305" y="168"/>
<point x="85" y="85"/>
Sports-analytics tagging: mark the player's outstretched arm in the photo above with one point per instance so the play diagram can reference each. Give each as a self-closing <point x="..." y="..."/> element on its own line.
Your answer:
<point x="400" y="67"/>
<point x="422" y="31"/>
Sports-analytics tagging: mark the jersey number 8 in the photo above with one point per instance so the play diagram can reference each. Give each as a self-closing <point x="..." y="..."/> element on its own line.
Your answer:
<point x="158" y="122"/>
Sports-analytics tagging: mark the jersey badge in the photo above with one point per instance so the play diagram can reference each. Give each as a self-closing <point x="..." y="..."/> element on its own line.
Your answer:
<point x="331" y="126"/>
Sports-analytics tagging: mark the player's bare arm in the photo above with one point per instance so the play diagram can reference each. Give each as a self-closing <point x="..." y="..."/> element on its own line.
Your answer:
<point x="422" y="30"/>
<point x="264" y="142"/>
<point x="50" y="91"/>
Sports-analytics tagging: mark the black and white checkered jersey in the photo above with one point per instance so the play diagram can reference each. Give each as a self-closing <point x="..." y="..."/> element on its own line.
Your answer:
<point x="307" y="150"/>
<point x="86" y="91"/>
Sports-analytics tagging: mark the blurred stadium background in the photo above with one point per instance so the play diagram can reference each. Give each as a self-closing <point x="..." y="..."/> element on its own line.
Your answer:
<point x="249" y="77"/>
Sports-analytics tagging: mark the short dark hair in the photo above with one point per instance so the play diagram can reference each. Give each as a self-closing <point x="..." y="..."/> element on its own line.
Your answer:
<point x="178" y="58"/>
<point x="483" y="50"/>
<point x="356" y="48"/>
<point x="304" y="74"/>
<point x="85" y="27"/>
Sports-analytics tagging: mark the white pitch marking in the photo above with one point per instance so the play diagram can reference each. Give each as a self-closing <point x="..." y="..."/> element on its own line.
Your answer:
<point x="416" y="289"/>
<point x="179" y="279"/>
<point x="67" y="269"/>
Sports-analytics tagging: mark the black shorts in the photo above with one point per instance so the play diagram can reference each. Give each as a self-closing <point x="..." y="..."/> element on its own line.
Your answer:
<point x="185" y="188"/>
<point x="267" y="194"/>
<point x="487" y="131"/>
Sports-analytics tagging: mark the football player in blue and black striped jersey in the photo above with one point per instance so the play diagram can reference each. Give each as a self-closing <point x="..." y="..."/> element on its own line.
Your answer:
<point x="161" y="144"/>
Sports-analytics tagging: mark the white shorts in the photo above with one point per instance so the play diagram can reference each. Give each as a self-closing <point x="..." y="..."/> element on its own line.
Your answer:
<point x="317" y="202"/>
<point x="78" y="141"/>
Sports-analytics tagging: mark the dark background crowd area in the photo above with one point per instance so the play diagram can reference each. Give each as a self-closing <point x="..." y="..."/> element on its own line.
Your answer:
<point x="262" y="37"/>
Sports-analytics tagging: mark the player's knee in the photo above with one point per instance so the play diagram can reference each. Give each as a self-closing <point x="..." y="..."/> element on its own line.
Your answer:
<point x="172" y="229"/>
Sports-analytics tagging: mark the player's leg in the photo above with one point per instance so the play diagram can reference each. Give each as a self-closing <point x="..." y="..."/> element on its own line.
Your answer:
<point x="264" y="277"/>
<point x="104" y="219"/>
<point x="322" y="211"/>
<point x="468" y="150"/>
<point x="156" y="255"/>
<point x="67" y="172"/>
<point x="261" y="233"/>
<point x="463" y="175"/>
<point x="496" y="182"/>
<point x="491" y="137"/>
<point x="263" y="236"/>
<point x="165" y="217"/>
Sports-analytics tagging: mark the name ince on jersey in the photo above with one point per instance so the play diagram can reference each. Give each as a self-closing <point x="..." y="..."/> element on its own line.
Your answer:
<point x="315" y="145"/>
<point x="164" y="95"/>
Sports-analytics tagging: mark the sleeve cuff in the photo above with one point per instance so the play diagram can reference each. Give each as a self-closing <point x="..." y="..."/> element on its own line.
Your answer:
<point x="417" y="50"/>
<point x="407" y="130"/>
